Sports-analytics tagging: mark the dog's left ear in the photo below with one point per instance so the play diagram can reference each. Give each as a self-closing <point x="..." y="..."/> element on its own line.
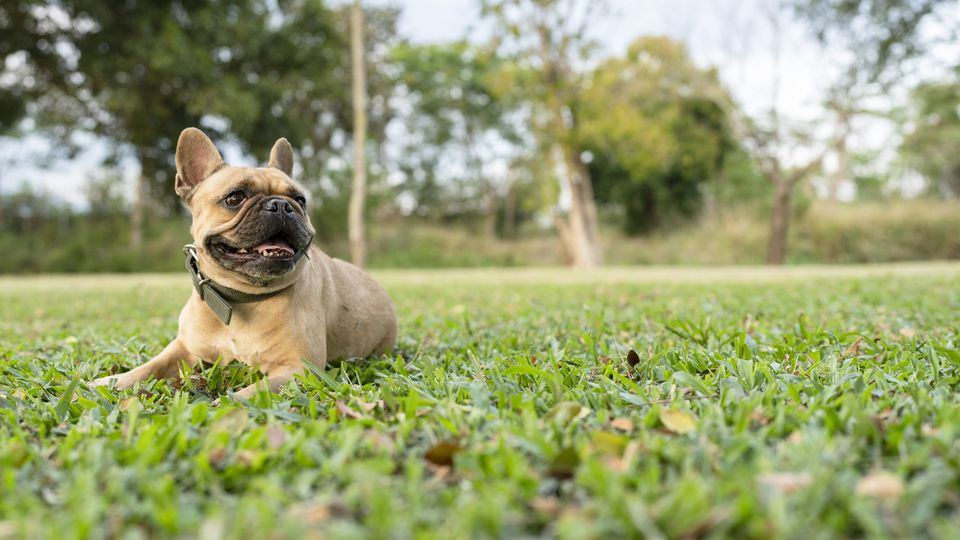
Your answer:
<point x="281" y="157"/>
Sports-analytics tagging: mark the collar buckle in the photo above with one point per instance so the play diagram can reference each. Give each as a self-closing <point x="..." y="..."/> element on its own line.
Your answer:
<point x="218" y="298"/>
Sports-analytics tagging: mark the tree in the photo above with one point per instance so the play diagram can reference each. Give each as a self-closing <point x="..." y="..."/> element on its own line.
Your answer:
<point x="772" y="141"/>
<point x="655" y="126"/>
<point x="324" y="106"/>
<point x="784" y="181"/>
<point x="931" y="145"/>
<point x="458" y="120"/>
<point x="885" y="34"/>
<point x="548" y="42"/>
<point x="137" y="73"/>
<point x="359" y="187"/>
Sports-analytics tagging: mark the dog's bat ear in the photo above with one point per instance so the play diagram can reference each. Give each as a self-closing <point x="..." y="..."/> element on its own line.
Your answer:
<point x="281" y="156"/>
<point x="197" y="158"/>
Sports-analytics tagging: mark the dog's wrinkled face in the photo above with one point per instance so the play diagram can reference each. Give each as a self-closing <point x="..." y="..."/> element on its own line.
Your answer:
<point x="251" y="221"/>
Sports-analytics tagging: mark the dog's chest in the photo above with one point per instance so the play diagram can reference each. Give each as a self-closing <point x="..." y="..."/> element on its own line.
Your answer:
<point x="252" y="347"/>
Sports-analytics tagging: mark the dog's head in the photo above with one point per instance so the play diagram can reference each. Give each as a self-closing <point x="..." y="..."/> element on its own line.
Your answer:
<point x="250" y="225"/>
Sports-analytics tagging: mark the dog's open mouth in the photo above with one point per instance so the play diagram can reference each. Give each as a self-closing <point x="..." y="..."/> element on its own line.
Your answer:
<point x="277" y="247"/>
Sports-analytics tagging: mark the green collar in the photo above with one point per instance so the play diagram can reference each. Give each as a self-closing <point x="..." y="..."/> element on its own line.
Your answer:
<point x="220" y="299"/>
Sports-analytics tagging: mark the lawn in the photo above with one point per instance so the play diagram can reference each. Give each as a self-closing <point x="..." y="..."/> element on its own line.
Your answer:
<point x="813" y="402"/>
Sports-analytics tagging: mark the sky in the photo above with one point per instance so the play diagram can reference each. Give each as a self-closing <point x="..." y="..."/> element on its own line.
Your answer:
<point x="737" y="36"/>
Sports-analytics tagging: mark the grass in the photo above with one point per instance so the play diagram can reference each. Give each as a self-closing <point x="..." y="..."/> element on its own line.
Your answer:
<point x="815" y="403"/>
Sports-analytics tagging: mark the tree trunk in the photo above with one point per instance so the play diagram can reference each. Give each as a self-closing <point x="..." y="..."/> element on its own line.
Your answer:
<point x="359" y="188"/>
<point x="843" y="168"/>
<point x="136" y="214"/>
<point x="490" y="213"/>
<point x="779" y="222"/>
<point x="582" y="238"/>
<point x="510" y="214"/>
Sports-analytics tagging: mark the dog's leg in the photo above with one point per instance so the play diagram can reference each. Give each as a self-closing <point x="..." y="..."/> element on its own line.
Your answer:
<point x="274" y="380"/>
<point x="165" y="365"/>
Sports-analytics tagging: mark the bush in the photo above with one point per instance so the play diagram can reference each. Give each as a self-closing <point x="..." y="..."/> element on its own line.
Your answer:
<point x="820" y="233"/>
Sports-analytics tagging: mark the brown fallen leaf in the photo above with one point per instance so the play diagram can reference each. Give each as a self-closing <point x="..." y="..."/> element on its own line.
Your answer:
<point x="217" y="457"/>
<point x="607" y="443"/>
<point x="380" y="441"/>
<point x="785" y="482"/>
<point x="623" y="424"/>
<point x="633" y="358"/>
<point x="442" y="453"/>
<point x="854" y="349"/>
<point x="880" y="484"/>
<point x="441" y="473"/>
<point x="367" y="407"/>
<point x="313" y="513"/>
<point x="759" y="417"/>
<point x="276" y="436"/>
<point x="244" y="457"/>
<point x="623" y="463"/>
<point x="564" y="464"/>
<point x="233" y="422"/>
<point x="345" y="410"/>
<point x="126" y="403"/>
<point x="549" y="506"/>
<point x="566" y="412"/>
<point x="678" y="421"/>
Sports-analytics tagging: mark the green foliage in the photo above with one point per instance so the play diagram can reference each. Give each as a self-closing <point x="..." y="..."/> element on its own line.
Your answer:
<point x="883" y="231"/>
<point x="803" y="407"/>
<point x="142" y="71"/>
<point x="930" y="147"/>
<point x="455" y="115"/>
<point x="884" y="33"/>
<point x="821" y="233"/>
<point x="656" y="127"/>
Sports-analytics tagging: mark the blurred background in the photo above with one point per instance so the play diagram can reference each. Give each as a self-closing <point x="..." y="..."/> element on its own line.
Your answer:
<point x="492" y="132"/>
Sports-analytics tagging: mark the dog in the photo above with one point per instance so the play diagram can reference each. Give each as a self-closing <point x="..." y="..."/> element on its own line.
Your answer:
<point x="263" y="294"/>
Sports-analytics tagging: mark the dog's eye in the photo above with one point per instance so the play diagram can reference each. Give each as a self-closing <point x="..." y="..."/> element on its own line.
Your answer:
<point x="301" y="200"/>
<point x="235" y="198"/>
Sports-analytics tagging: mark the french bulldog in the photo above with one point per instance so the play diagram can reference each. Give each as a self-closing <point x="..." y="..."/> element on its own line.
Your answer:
<point x="263" y="294"/>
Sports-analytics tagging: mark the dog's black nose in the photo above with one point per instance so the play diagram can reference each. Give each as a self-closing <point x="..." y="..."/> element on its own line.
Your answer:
<point x="277" y="205"/>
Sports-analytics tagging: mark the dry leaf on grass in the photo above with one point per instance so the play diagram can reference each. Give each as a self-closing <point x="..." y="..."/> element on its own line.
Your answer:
<point x="549" y="506"/>
<point x="217" y="457"/>
<point x="275" y="437"/>
<point x="345" y="410"/>
<point x="313" y="513"/>
<point x="564" y="464"/>
<point x="442" y="453"/>
<point x="854" y="349"/>
<point x="880" y="484"/>
<point x="367" y="407"/>
<point x="785" y="482"/>
<point x="623" y="424"/>
<point x="678" y="421"/>
<point x="126" y="403"/>
<point x="566" y="412"/>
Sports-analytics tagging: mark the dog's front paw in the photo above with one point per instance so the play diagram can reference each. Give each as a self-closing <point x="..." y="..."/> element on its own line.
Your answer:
<point x="118" y="382"/>
<point x="103" y="381"/>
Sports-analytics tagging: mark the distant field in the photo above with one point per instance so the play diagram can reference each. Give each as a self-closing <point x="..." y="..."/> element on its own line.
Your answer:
<point x="813" y="402"/>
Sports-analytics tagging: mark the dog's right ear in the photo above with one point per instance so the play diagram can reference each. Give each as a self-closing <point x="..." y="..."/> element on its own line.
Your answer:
<point x="197" y="158"/>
